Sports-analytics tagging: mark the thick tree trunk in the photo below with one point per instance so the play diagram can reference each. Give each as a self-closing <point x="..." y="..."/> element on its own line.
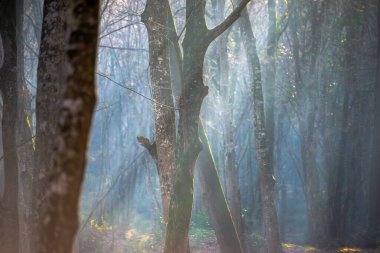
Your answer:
<point x="266" y="177"/>
<point x="9" y="218"/>
<point x="59" y="225"/>
<point x="155" y="17"/>
<point x="48" y="100"/>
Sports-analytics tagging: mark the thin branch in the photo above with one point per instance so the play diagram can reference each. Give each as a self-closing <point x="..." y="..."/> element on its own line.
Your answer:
<point x="118" y="29"/>
<point x="107" y="106"/>
<point x="132" y="90"/>
<point x="124" y="48"/>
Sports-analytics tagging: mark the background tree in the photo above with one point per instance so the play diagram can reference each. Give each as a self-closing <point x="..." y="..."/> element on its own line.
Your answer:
<point x="8" y="87"/>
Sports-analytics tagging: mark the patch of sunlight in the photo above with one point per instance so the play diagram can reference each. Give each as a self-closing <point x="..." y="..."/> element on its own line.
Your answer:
<point x="144" y="238"/>
<point x="102" y="227"/>
<point x="303" y="248"/>
<point x="309" y="248"/>
<point x="349" y="250"/>
<point x="130" y="234"/>
<point x="288" y="245"/>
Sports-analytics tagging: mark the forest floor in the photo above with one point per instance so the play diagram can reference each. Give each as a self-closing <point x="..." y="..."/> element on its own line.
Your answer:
<point x="201" y="241"/>
<point x="210" y="245"/>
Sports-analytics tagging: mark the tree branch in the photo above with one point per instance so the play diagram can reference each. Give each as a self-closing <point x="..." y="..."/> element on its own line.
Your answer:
<point x="219" y="29"/>
<point x="148" y="145"/>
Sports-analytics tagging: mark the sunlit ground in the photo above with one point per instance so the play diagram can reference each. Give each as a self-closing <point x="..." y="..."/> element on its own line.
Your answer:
<point x="292" y="248"/>
<point x="103" y="238"/>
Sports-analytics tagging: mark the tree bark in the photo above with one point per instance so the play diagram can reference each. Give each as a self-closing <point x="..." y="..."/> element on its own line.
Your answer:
<point x="58" y="227"/>
<point x="374" y="220"/>
<point x="155" y="18"/>
<point x="9" y="222"/>
<point x="48" y="99"/>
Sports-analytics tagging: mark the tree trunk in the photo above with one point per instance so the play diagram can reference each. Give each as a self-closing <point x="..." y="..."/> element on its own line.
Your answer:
<point x="270" y="79"/>
<point x="9" y="222"/>
<point x="266" y="177"/>
<point x="155" y="17"/>
<point x="340" y="172"/>
<point x="59" y="222"/>
<point x="48" y="100"/>
<point x="24" y="138"/>
<point x="216" y="204"/>
<point x="227" y="91"/>
<point x="306" y="86"/>
<point x="374" y="220"/>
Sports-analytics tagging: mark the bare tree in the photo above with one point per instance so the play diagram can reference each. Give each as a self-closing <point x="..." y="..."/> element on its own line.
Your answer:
<point x="162" y="37"/>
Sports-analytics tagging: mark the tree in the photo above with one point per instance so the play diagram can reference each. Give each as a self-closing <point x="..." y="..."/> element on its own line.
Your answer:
<point x="306" y="88"/>
<point x="162" y="37"/>
<point x="155" y="18"/>
<point x="9" y="221"/>
<point x="58" y="227"/>
<point x="218" y="211"/>
<point x="48" y="99"/>
<point x="374" y="219"/>
<point x="266" y="171"/>
<point x="196" y="41"/>
<point x="270" y="78"/>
